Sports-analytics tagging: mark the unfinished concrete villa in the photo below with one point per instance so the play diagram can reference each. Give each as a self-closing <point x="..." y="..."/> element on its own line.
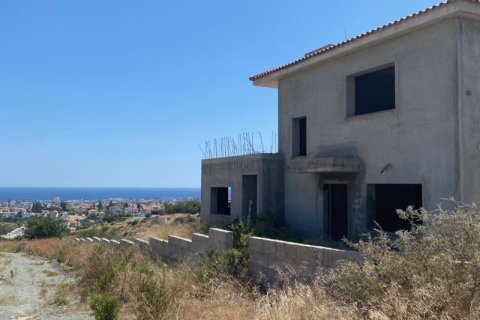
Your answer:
<point x="384" y="120"/>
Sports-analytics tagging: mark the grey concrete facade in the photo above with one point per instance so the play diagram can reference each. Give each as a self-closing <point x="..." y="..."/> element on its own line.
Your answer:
<point x="230" y="172"/>
<point x="430" y="138"/>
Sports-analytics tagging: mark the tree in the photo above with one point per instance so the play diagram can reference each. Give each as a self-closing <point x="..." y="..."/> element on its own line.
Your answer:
<point x="100" y="205"/>
<point x="37" y="207"/>
<point x="189" y="206"/>
<point x="63" y="205"/>
<point x="44" y="227"/>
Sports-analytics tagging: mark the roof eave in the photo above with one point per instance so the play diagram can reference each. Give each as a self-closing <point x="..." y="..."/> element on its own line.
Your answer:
<point x="454" y="9"/>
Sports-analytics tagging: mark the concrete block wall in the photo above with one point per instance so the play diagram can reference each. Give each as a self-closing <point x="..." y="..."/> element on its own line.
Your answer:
<point x="220" y="240"/>
<point x="181" y="249"/>
<point x="269" y="258"/>
<point x="126" y="244"/>
<point x="174" y="249"/>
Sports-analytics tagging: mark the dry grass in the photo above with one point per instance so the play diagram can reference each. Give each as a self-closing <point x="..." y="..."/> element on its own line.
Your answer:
<point x="10" y="245"/>
<point x="162" y="231"/>
<point x="433" y="272"/>
<point x="8" y="300"/>
<point x="145" y="228"/>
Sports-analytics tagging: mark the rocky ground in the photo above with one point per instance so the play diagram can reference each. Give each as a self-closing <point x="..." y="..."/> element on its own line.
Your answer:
<point x="32" y="288"/>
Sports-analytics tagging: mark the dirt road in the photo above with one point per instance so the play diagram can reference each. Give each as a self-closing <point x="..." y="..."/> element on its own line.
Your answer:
<point x="32" y="288"/>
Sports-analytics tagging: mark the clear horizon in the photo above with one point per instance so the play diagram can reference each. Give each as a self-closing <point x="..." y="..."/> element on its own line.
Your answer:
<point x="120" y="93"/>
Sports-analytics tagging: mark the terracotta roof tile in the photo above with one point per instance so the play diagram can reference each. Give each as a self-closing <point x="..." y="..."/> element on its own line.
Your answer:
<point x="331" y="47"/>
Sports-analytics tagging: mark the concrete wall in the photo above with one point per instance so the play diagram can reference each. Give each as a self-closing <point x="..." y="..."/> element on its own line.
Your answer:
<point x="468" y="114"/>
<point x="175" y="249"/>
<point x="418" y="138"/>
<point x="228" y="172"/>
<point x="272" y="260"/>
<point x="269" y="260"/>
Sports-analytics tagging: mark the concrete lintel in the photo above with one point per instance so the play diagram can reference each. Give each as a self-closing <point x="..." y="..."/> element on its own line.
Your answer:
<point x="326" y="165"/>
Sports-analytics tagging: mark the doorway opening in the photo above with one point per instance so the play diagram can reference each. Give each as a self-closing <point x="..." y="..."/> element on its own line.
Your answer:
<point x="336" y="210"/>
<point x="249" y="196"/>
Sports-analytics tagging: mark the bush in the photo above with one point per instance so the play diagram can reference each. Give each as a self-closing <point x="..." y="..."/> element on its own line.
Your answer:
<point x="117" y="216"/>
<point x="105" y="307"/>
<point x="234" y="261"/>
<point x="429" y="272"/>
<point x="44" y="227"/>
<point x="189" y="206"/>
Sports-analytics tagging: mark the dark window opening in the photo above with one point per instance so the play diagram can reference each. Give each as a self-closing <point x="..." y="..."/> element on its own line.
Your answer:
<point x="375" y="91"/>
<point x="220" y="200"/>
<point x="300" y="136"/>
<point x="385" y="199"/>
<point x="336" y="210"/>
<point x="249" y="197"/>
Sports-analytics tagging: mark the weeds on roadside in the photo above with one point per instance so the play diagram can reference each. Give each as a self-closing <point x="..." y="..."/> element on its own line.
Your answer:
<point x="105" y="307"/>
<point x="130" y="277"/>
<point x="60" y="297"/>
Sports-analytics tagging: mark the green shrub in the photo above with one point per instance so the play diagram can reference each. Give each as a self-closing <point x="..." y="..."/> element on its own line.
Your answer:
<point x="102" y="272"/>
<point x="6" y="227"/>
<point x="60" y="298"/>
<point x="188" y="206"/>
<point x="44" y="227"/>
<point x="105" y="307"/>
<point x="234" y="261"/>
<point x="154" y="296"/>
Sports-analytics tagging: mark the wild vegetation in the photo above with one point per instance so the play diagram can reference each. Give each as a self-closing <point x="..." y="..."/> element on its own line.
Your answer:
<point x="44" y="227"/>
<point x="6" y="227"/>
<point x="429" y="272"/>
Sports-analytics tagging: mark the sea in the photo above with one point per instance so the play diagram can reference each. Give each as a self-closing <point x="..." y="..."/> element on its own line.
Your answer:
<point x="20" y="193"/>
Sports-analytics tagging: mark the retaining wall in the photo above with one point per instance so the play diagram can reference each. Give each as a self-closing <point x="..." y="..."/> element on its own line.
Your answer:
<point x="272" y="260"/>
<point x="174" y="249"/>
<point x="269" y="260"/>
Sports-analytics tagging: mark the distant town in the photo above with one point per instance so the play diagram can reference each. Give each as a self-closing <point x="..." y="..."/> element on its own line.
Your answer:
<point x="83" y="213"/>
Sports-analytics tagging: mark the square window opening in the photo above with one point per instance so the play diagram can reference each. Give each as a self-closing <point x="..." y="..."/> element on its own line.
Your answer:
<point x="220" y="200"/>
<point x="299" y="137"/>
<point x="371" y="92"/>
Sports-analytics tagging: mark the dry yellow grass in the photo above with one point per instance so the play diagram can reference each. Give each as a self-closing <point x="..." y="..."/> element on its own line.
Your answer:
<point x="147" y="228"/>
<point x="162" y="231"/>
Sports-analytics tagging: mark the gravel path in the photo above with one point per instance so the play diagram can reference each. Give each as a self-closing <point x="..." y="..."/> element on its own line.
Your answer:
<point x="32" y="288"/>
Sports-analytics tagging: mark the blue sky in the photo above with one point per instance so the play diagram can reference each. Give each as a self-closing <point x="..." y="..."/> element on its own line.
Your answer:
<point x="121" y="93"/>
